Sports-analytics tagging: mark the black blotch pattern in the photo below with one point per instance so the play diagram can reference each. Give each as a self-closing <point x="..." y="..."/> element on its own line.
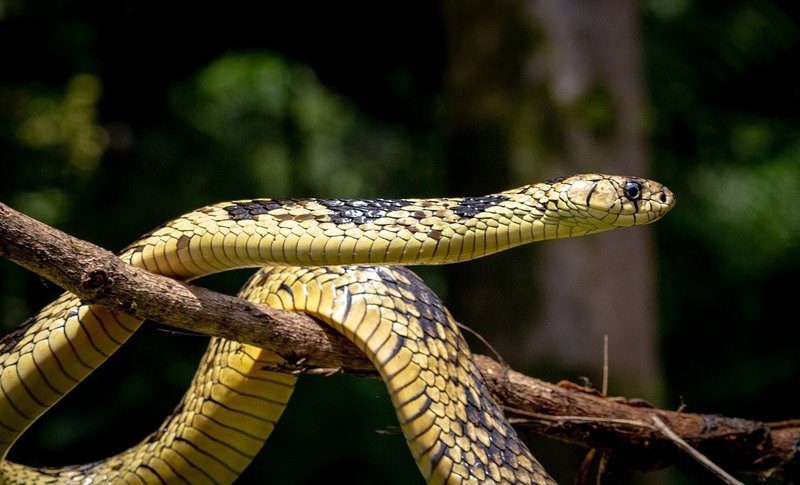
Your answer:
<point x="481" y="411"/>
<point x="554" y="180"/>
<point x="253" y="208"/>
<point x="470" y="206"/>
<point x="344" y="211"/>
<point x="429" y="314"/>
<point x="428" y="305"/>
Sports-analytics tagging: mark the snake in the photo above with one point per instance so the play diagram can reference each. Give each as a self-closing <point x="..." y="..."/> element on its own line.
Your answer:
<point x="341" y="261"/>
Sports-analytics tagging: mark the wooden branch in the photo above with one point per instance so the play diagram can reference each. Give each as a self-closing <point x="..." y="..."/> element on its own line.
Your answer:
<point x="98" y="276"/>
<point x="626" y="430"/>
<point x="623" y="429"/>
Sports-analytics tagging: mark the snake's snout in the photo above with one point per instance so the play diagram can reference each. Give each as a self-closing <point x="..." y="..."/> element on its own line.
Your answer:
<point x="656" y="200"/>
<point x="661" y="199"/>
<point x="665" y="196"/>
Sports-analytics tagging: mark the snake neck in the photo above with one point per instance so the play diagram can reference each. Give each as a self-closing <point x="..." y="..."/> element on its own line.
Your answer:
<point x="319" y="232"/>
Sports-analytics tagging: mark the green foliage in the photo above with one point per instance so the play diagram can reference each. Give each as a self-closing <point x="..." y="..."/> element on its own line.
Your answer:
<point x="595" y="109"/>
<point x="244" y="125"/>
<point x="67" y="123"/>
<point x="290" y="131"/>
<point x="106" y="142"/>
<point x="725" y="124"/>
<point x="753" y="211"/>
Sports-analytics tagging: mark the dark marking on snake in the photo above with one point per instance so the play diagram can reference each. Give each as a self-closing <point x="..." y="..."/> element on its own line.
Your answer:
<point x="348" y="303"/>
<point x="591" y="191"/>
<point x="423" y="408"/>
<point x="399" y="343"/>
<point x="287" y="289"/>
<point x="497" y="439"/>
<point x="344" y="211"/>
<point x="427" y="304"/>
<point x="237" y="212"/>
<point x="183" y="242"/>
<point x="437" y="457"/>
<point x="554" y="180"/>
<point x="470" y="206"/>
<point x="386" y="275"/>
<point x="248" y="210"/>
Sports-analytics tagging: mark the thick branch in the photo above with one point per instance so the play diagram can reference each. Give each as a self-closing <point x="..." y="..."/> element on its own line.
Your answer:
<point x="625" y="429"/>
<point x="98" y="276"/>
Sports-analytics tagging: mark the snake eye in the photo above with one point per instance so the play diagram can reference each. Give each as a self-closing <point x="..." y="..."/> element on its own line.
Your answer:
<point x="633" y="191"/>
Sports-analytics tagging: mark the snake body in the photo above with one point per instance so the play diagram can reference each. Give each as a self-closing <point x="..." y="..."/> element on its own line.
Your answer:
<point x="312" y="253"/>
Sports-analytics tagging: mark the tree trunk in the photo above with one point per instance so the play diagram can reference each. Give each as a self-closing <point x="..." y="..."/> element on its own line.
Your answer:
<point x="541" y="89"/>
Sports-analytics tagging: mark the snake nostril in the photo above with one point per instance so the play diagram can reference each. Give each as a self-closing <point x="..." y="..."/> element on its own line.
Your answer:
<point x="663" y="197"/>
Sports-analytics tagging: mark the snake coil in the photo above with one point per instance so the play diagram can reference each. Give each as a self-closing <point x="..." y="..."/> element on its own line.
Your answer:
<point x="330" y="258"/>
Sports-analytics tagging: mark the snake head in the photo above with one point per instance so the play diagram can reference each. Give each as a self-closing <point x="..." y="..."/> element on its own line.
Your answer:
<point x="599" y="202"/>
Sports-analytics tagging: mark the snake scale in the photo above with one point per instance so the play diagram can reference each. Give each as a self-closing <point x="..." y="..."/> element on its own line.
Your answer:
<point x="330" y="258"/>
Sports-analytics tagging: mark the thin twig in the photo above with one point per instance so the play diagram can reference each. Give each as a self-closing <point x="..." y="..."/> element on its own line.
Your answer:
<point x="576" y="419"/>
<point x="174" y="331"/>
<point x="605" y="365"/>
<point x="701" y="458"/>
<point x="506" y="368"/>
<point x="582" y="477"/>
<point x="659" y="425"/>
<point x="601" y="468"/>
<point x="583" y="471"/>
<point x="485" y="342"/>
<point x="788" y="423"/>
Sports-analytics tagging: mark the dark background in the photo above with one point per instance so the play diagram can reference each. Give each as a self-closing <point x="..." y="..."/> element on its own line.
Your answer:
<point x="117" y="116"/>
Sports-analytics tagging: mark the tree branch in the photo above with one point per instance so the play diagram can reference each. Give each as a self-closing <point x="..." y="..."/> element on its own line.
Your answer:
<point x="622" y="428"/>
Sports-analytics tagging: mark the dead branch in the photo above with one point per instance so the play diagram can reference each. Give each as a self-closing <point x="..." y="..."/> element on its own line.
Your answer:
<point x="622" y="429"/>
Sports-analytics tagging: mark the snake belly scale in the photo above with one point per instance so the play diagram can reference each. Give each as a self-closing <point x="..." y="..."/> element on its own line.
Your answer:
<point x="330" y="258"/>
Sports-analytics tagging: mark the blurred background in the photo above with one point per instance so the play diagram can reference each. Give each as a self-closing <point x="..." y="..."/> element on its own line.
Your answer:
<point x="116" y="116"/>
